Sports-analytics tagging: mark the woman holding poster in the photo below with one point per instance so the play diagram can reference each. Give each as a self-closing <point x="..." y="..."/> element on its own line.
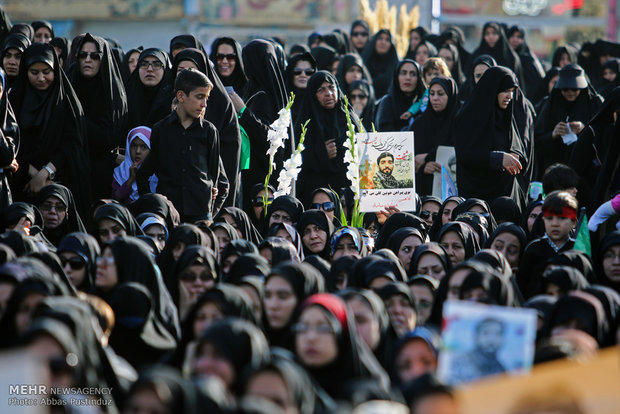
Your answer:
<point x="489" y="151"/>
<point x="323" y="158"/>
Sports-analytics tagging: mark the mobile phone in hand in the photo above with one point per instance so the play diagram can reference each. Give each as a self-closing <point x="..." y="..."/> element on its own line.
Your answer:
<point x="230" y="89"/>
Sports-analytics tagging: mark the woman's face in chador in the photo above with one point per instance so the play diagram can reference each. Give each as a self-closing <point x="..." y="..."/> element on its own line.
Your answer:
<point x="407" y="78"/>
<point x="89" y="60"/>
<point x="438" y="97"/>
<point x="382" y="46"/>
<point x="327" y="95"/>
<point x="301" y="74"/>
<point x="504" y="98"/>
<point x="491" y="36"/>
<point x="224" y="60"/>
<point x="40" y="76"/>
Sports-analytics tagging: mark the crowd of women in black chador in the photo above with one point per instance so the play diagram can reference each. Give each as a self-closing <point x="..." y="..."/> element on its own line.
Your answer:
<point x="274" y="303"/>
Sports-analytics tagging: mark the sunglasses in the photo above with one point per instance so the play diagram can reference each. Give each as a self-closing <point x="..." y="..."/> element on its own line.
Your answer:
<point x="328" y="206"/>
<point x="190" y="277"/>
<point x="76" y="263"/>
<point x="93" y="55"/>
<point x="355" y="96"/>
<point x="258" y="201"/>
<point x="227" y="56"/>
<point x="425" y="214"/>
<point x="358" y="34"/>
<point x="308" y="72"/>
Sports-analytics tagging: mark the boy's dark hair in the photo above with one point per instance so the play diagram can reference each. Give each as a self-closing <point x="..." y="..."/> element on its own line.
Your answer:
<point x="559" y="177"/>
<point x="189" y="79"/>
<point x="557" y="200"/>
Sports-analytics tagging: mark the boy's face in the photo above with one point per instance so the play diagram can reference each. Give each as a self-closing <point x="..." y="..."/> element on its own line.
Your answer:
<point x="558" y="228"/>
<point x="195" y="103"/>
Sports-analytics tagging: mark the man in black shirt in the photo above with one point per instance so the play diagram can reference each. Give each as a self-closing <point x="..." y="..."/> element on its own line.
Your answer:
<point x="185" y="153"/>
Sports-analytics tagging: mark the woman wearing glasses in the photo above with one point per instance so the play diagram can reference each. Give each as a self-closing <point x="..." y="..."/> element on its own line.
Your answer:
<point x="99" y="86"/>
<point x="360" y="33"/>
<point x="225" y="55"/>
<point x="78" y="254"/>
<point x="60" y="216"/>
<point x="300" y="68"/>
<point x="147" y="95"/>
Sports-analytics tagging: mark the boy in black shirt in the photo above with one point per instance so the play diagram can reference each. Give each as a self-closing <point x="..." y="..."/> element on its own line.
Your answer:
<point x="560" y="217"/>
<point x="185" y="153"/>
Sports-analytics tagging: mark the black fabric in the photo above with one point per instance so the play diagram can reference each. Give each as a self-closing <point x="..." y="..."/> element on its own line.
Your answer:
<point x="221" y="113"/>
<point x="325" y="56"/>
<point x="367" y="117"/>
<point x="9" y="142"/>
<point x="354" y="361"/>
<point x="266" y="95"/>
<point x="455" y="35"/>
<point x="134" y="263"/>
<point x="606" y="87"/>
<point x="397" y="221"/>
<point x="304" y="281"/>
<point x="457" y="72"/>
<point x="433" y="129"/>
<point x="397" y="238"/>
<point x="501" y="52"/>
<point x="504" y="209"/>
<point x="119" y="214"/>
<point x="246" y="266"/>
<point x="241" y="343"/>
<point x="187" y="234"/>
<point x="192" y="254"/>
<point x="557" y="109"/>
<point x="159" y="205"/>
<point x="380" y="67"/>
<point x="576" y="259"/>
<point x="317" y="170"/>
<point x="244" y="224"/>
<point x="13" y="41"/>
<point x="513" y="229"/>
<point x="287" y="203"/>
<point x="565" y="278"/>
<point x="104" y="102"/>
<point x="85" y="246"/>
<point x="342" y="268"/>
<point x="568" y="50"/>
<point x="73" y="221"/>
<point x="543" y="89"/>
<point x="52" y="127"/>
<point x="148" y="105"/>
<point x="498" y="291"/>
<point x="467" y="89"/>
<point x="360" y="23"/>
<point x="124" y="66"/>
<point x="318" y="218"/>
<point x="482" y="131"/>
<point x="432" y="50"/>
<point x="182" y="396"/>
<point x="533" y="72"/>
<point x="188" y="164"/>
<point x="347" y="62"/>
<point x="23" y="28"/>
<point x="183" y="41"/>
<point x="38" y="24"/>
<point x="290" y="80"/>
<point x="238" y="79"/>
<point x="63" y="44"/>
<point x="466" y="235"/>
<point x="396" y="102"/>
<point x="430" y="248"/>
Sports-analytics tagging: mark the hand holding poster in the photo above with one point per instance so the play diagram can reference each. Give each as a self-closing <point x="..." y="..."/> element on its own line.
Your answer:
<point x="481" y="340"/>
<point x="386" y="171"/>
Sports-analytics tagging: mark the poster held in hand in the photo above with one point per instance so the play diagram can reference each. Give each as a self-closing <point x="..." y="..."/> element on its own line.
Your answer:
<point x="446" y="156"/>
<point x="386" y="171"/>
<point x="482" y="340"/>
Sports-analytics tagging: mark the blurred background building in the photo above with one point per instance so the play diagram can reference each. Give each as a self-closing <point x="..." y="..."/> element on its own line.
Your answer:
<point x="152" y="23"/>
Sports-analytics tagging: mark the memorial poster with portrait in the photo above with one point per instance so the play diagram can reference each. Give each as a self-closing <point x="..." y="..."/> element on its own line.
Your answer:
<point x="481" y="340"/>
<point x="386" y="170"/>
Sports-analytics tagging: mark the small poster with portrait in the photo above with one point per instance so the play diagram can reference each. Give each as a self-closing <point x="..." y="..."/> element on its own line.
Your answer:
<point x="482" y="340"/>
<point x="446" y="156"/>
<point x="386" y="170"/>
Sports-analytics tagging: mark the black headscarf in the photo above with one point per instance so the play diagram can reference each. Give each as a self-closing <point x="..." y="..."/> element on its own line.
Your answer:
<point x="244" y="224"/>
<point x="457" y="72"/>
<point x="347" y="62"/>
<point x="456" y="36"/>
<point x="466" y="234"/>
<point x="13" y="41"/>
<point x="183" y="41"/>
<point x="397" y="221"/>
<point x="104" y="102"/>
<point x="324" y="56"/>
<point x="38" y="24"/>
<point x="85" y="246"/>
<point x="290" y="80"/>
<point x="248" y="265"/>
<point x="606" y="87"/>
<point x="564" y="277"/>
<point x="148" y="105"/>
<point x="397" y="238"/>
<point x="192" y="254"/>
<point x="238" y="79"/>
<point x="501" y="52"/>
<point x="52" y="126"/>
<point x="220" y="112"/>
<point x="318" y="218"/>
<point x="367" y="117"/>
<point x="325" y="124"/>
<point x="482" y="129"/>
<point x="364" y="24"/>
<point x="511" y="228"/>
<point x="23" y="28"/>
<point x="157" y="204"/>
<point x="498" y="290"/>
<point x="557" y="109"/>
<point x="305" y="281"/>
<point x="380" y="66"/>
<point x="432" y="50"/>
<point x="433" y="129"/>
<point x="63" y="44"/>
<point x="134" y="263"/>
<point x="72" y="222"/>
<point x="124" y="66"/>
<point x="266" y="95"/>
<point x="189" y="234"/>
<point x="354" y="359"/>
<point x="577" y="260"/>
<point x="241" y="343"/>
<point x="564" y="50"/>
<point x="533" y="71"/>
<point x="396" y="102"/>
<point x="181" y="396"/>
<point x="543" y="88"/>
<point x="467" y="89"/>
<point x="430" y="248"/>
<point x="287" y="203"/>
<point x="119" y="214"/>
